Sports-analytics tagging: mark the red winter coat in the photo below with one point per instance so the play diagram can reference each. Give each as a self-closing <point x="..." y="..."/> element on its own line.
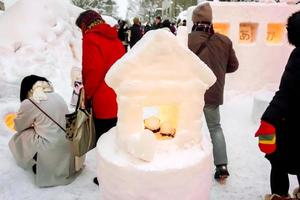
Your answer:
<point x="101" y="49"/>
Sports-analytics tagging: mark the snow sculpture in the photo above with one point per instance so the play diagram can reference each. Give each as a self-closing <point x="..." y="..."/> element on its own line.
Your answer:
<point x="45" y="42"/>
<point x="258" y="34"/>
<point x="157" y="151"/>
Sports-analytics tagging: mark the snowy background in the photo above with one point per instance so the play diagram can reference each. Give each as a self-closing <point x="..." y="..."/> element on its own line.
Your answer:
<point x="39" y="36"/>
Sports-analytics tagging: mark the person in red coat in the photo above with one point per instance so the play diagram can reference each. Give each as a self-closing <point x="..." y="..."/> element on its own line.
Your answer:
<point x="101" y="48"/>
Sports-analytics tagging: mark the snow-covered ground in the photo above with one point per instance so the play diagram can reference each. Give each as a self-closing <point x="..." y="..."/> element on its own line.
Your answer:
<point x="249" y="170"/>
<point x="51" y="48"/>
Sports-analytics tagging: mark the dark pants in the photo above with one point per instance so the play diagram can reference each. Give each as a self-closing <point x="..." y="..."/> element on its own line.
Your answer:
<point x="125" y="47"/>
<point x="103" y="125"/>
<point x="34" y="166"/>
<point x="280" y="180"/>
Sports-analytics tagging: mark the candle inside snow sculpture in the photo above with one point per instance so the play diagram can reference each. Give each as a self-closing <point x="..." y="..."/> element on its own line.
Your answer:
<point x="9" y="121"/>
<point x="162" y="122"/>
<point x="160" y="86"/>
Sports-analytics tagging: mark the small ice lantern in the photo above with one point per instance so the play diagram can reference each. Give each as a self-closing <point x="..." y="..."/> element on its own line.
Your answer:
<point x="9" y="121"/>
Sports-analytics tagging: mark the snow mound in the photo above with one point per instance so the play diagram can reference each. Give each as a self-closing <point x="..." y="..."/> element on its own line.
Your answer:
<point x="40" y="37"/>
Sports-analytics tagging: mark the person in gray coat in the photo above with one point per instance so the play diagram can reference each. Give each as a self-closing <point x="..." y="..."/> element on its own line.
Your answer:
<point x="40" y="144"/>
<point x="217" y="52"/>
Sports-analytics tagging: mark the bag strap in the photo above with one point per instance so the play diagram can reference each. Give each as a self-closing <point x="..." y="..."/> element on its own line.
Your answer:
<point x="203" y="45"/>
<point x="80" y="100"/>
<point x="47" y="115"/>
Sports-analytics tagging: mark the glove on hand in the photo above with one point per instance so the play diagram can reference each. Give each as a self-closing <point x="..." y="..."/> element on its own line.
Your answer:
<point x="266" y="137"/>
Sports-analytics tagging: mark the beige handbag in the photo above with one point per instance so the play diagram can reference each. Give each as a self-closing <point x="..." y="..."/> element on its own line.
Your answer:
<point x="80" y="128"/>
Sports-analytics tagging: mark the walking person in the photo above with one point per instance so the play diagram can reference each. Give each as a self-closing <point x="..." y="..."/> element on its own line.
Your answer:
<point x="40" y="144"/>
<point x="101" y="48"/>
<point x="278" y="133"/>
<point x="217" y="52"/>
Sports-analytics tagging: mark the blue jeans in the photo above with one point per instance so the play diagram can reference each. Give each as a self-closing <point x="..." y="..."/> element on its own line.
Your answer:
<point x="212" y="116"/>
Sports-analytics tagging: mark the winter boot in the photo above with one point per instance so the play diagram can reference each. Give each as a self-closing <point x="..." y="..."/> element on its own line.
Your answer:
<point x="277" y="197"/>
<point x="95" y="180"/>
<point x="221" y="172"/>
<point x="296" y="193"/>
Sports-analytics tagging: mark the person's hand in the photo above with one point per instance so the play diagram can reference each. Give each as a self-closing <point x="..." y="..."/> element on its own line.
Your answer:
<point x="266" y="137"/>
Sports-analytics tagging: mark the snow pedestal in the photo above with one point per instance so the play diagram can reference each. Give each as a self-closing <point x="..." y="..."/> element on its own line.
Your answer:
<point x="261" y="101"/>
<point x="181" y="175"/>
<point x="157" y="150"/>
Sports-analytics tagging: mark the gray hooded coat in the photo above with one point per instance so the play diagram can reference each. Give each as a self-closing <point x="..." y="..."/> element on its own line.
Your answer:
<point x="37" y="134"/>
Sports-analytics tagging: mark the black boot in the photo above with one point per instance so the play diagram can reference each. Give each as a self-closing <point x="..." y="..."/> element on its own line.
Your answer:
<point x="34" y="168"/>
<point x="221" y="172"/>
<point x="95" y="180"/>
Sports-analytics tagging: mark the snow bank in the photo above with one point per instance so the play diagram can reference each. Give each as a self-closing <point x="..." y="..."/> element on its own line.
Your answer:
<point x="40" y="37"/>
<point x="45" y="42"/>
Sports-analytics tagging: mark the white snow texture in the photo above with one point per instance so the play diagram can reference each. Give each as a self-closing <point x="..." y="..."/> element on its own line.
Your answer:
<point x="40" y="37"/>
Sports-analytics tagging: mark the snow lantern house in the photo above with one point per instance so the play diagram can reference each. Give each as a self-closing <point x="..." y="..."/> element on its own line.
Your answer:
<point x="160" y="86"/>
<point x="156" y="150"/>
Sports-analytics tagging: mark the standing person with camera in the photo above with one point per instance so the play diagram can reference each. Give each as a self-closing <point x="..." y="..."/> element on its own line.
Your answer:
<point x="216" y="51"/>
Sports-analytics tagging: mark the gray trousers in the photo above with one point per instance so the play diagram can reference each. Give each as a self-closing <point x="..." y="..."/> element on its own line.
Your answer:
<point x="212" y="116"/>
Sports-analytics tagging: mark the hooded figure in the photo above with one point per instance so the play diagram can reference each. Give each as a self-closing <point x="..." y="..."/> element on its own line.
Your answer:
<point x="216" y="51"/>
<point x="40" y="144"/>
<point x="101" y="48"/>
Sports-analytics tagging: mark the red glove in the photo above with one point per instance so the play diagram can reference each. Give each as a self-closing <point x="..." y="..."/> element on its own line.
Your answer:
<point x="266" y="137"/>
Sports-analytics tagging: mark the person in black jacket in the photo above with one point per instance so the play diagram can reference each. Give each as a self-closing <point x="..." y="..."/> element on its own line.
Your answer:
<point x="279" y="134"/>
<point x="157" y="23"/>
<point x="123" y="33"/>
<point x="136" y="32"/>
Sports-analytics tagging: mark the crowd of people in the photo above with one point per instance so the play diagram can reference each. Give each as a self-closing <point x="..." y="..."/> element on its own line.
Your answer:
<point x="130" y="35"/>
<point x="39" y="144"/>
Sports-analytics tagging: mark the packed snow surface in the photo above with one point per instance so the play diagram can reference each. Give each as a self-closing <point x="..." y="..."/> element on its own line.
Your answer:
<point x="249" y="170"/>
<point x="40" y="37"/>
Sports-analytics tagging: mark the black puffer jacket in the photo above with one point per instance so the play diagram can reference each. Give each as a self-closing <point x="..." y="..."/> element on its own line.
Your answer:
<point x="136" y="34"/>
<point x="283" y="112"/>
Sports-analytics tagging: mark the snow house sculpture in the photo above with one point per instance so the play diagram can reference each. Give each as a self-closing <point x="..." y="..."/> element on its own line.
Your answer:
<point x="157" y="151"/>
